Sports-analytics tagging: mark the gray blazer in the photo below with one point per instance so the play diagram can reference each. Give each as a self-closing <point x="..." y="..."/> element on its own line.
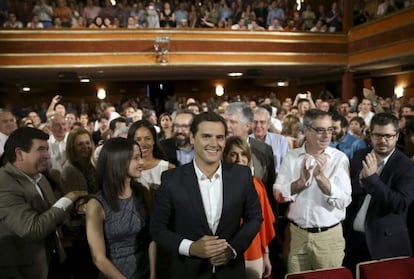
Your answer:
<point x="28" y="225"/>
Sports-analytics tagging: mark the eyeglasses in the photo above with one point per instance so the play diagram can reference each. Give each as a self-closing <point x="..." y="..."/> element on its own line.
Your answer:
<point x="321" y="131"/>
<point x="184" y="126"/>
<point x="387" y="137"/>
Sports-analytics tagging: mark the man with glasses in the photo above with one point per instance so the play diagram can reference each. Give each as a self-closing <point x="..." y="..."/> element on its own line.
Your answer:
<point x="315" y="180"/>
<point x="178" y="149"/>
<point x="382" y="190"/>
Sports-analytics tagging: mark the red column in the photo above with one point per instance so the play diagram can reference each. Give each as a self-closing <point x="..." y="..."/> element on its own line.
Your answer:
<point x="347" y="85"/>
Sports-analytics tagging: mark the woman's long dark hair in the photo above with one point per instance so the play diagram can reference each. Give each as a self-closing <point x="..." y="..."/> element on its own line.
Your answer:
<point x="112" y="168"/>
<point x="156" y="152"/>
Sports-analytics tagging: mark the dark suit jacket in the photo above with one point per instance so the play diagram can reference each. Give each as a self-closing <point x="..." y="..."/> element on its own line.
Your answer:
<point x="392" y="193"/>
<point x="264" y="165"/>
<point x="169" y="147"/>
<point x="179" y="214"/>
<point x="27" y="225"/>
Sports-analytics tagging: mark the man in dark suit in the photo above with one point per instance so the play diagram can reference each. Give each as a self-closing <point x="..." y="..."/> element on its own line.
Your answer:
<point x="29" y="214"/>
<point x="207" y="212"/>
<point x="178" y="149"/>
<point x="382" y="191"/>
<point x="239" y="119"/>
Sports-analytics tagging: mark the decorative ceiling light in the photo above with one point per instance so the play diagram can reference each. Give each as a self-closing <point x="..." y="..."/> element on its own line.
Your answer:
<point x="282" y="83"/>
<point x="219" y="90"/>
<point x="235" y="74"/>
<point x="399" y="91"/>
<point x="84" y="79"/>
<point x="101" y="93"/>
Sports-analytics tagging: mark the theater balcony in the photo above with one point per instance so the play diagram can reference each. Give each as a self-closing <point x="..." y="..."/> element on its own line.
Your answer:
<point x="379" y="50"/>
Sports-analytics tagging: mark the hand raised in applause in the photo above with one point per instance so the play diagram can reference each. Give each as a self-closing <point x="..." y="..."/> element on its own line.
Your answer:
<point x="369" y="166"/>
<point x="208" y="246"/>
<point x="320" y="164"/>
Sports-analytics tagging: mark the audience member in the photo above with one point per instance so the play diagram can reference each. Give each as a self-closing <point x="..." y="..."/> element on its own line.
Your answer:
<point x="239" y="118"/>
<point x="116" y="217"/>
<point x="78" y="174"/>
<point x="57" y="141"/>
<point x="308" y="17"/>
<point x="257" y="259"/>
<point x="153" y="19"/>
<point x="365" y="112"/>
<point x="357" y="127"/>
<point x="12" y="22"/>
<point x="278" y="143"/>
<point x="90" y="10"/>
<point x="29" y="211"/>
<point x="334" y="18"/>
<point x="63" y="12"/>
<point x="100" y="135"/>
<point x="315" y="178"/>
<point x="166" y="127"/>
<point x="382" y="191"/>
<point x="44" y="12"/>
<point x="291" y="131"/>
<point x="7" y="126"/>
<point x="178" y="149"/>
<point x="35" y="23"/>
<point x="197" y="193"/>
<point x="143" y="133"/>
<point x="342" y="140"/>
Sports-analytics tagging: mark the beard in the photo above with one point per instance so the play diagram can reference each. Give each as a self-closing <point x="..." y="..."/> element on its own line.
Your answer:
<point x="338" y="136"/>
<point x="182" y="141"/>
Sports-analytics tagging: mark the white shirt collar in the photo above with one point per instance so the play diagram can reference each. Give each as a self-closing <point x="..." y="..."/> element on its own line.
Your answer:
<point x="201" y="176"/>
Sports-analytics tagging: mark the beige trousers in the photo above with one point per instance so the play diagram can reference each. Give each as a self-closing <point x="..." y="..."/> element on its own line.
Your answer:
<point x="310" y="251"/>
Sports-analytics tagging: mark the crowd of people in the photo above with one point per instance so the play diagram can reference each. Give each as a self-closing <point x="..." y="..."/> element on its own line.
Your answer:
<point x="274" y="15"/>
<point x="247" y="188"/>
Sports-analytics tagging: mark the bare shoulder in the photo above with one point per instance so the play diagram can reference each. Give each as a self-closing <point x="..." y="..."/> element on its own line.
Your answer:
<point x="94" y="209"/>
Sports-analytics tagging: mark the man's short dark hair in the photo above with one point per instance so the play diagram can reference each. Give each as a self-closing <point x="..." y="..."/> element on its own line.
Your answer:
<point x="337" y="117"/>
<point x="383" y="119"/>
<point x="22" y="138"/>
<point x="313" y="114"/>
<point x="112" y="124"/>
<point x="206" y="117"/>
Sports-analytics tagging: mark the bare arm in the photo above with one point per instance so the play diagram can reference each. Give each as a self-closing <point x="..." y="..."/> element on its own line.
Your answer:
<point x="51" y="109"/>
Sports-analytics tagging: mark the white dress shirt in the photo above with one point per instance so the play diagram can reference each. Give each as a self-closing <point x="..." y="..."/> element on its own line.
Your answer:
<point x="212" y="195"/>
<point x="311" y="208"/>
<point x="57" y="151"/>
<point x="3" y="139"/>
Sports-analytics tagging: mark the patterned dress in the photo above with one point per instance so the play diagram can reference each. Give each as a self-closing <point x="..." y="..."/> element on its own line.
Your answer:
<point x="126" y="236"/>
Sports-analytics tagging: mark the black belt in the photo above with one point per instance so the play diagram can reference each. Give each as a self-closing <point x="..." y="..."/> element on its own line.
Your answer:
<point x="314" y="230"/>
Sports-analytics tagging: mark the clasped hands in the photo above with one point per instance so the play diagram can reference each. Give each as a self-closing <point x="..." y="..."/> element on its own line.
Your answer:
<point x="213" y="248"/>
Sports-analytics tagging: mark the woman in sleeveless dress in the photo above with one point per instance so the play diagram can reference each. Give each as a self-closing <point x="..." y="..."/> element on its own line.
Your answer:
<point x="143" y="132"/>
<point x="116" y="217"/>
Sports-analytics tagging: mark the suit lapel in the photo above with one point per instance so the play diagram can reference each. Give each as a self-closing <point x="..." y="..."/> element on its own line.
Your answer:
<point x="194" y="195"/>
<point x="227" y="194"/>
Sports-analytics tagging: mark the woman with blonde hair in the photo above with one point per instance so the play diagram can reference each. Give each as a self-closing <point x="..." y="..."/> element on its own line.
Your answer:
<point x="78" y="174"/>
<point x="256" y="257"/>
<point x="291" y="130"/>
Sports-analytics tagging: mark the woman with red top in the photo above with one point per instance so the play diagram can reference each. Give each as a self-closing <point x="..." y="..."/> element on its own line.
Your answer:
<point x="257" y="255"/>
